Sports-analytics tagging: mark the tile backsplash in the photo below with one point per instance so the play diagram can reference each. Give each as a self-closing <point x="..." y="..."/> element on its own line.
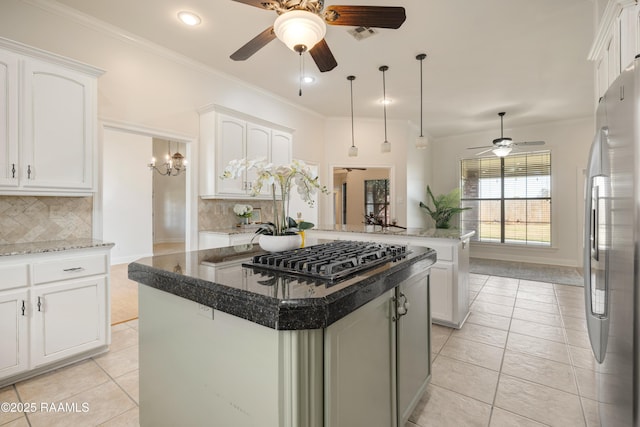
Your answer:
<point x="217" y="214"/>
<point x="35" y="219"/>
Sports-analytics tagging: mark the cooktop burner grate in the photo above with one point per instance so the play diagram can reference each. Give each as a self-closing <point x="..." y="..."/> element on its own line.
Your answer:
<point x="330" y="261"/>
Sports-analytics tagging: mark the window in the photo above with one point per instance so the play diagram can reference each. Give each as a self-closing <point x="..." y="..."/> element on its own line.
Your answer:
<point x="376" y="200"/>
<point x="509" y="197"/>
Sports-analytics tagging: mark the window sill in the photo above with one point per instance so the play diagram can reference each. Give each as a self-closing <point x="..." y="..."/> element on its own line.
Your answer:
<point x="511" y="246"/>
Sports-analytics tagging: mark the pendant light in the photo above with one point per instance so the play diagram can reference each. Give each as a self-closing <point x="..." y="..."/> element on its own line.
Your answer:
<point x="386" y="145"/>
<point x="421" y="141"/>
<point x="353" y="150"/>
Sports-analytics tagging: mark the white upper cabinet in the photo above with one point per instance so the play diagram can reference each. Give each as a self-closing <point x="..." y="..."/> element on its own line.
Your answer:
<point x="233" y="133"/>
<point x="616" y="42"/>
<point x="48" y="108"/>
<point x="8" y="118"/>
<point x="227" y="136"/>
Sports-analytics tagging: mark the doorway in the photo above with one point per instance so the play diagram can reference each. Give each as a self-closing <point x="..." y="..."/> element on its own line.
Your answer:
<point x="168" y="200"/>
<point x="350" y="200"/>
<point x="135" y="214"/>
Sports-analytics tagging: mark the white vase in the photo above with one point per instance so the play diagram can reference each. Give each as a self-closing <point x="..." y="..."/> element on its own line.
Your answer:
<point x="280" y="243"/>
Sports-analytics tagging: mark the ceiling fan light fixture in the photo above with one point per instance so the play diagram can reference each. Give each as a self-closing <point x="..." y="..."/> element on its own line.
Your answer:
<point x="300" y="28"/>
<point x="502" y="151"/>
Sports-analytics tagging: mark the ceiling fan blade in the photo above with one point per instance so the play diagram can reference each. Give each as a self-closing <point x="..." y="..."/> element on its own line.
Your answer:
<point x="323" y="57"/>
<point x="529" y="143"/>
<point x="366" y="16"/>
<point x="485" y="151"/>
<point x="254" y="45"/>
<point x="256" y="3"/>
<point x="484" y="146"/>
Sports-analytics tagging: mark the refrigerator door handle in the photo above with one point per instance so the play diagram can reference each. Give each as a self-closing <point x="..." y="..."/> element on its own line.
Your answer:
<point x="597" y="234"/>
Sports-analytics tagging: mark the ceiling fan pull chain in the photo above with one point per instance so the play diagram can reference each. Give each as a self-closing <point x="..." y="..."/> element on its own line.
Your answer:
<point x="301" y="72"/>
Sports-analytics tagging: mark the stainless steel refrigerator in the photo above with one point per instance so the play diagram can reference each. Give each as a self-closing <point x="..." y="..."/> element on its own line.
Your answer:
<point x="612" y="251"/>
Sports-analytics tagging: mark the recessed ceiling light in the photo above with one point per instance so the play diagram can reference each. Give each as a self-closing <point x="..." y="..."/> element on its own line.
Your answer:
<point x="385" y="101"/>
<point x="189" y="18"/>
<point x="308" y="79"/>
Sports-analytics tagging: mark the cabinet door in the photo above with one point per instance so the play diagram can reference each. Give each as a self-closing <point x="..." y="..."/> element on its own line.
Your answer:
<point x="441" y="292"/>
<point x="230" y="140"/>
<point x="14" y="356"/>
<point x="281" y="147"/>
<point x="414" y="344"/>
<point x="359" y="367"/>
<point x="58" y="128"/>
<point x="8" y="119"/>
<point x="68" y="318"/>
<point x="258" y="146"/>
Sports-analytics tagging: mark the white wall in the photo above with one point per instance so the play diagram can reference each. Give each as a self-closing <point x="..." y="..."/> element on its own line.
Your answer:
<point x="569" y="142"/>
<point x="404" y="160"/>
<point x="127" y="196"/>
<point x="169" y="197"/>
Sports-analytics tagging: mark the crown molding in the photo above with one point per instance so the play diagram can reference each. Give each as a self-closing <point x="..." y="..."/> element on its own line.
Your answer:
<point x="34" y="52"/>
<point x="611" y="13"/>
<point x="120" y="34"/>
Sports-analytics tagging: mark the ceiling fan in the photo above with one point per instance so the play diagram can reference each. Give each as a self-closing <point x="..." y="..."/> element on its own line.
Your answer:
<point x="351" y="169"/>
<point x="301" y="25"/>
<point x="502" y="146"/>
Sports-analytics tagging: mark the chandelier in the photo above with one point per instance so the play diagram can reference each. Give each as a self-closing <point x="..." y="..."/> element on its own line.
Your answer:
<point x="174" y="163"/>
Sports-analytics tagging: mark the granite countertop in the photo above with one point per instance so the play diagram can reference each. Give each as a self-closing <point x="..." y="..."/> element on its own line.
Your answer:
<point x="433" y="233"/>
<point x="50" y="246"/>
<point x="217" y="279"/>
<point x="249" y="229"/>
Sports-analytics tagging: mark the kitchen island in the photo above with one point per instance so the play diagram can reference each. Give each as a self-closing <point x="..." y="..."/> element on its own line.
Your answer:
<point x="449" y="276"/>
<point x="222" y="343"/>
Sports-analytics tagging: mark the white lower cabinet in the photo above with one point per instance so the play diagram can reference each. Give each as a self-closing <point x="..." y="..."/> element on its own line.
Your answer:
<point x="441" y="275"/>
<point x="56" y="310"/>
<point x="14" y="356"/>
<point x="57" y="329"/>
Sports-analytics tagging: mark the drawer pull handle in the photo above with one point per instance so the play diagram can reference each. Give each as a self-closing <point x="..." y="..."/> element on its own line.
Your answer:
<point x="28" y="171"/>
<point x="13" y="170"/>
<point x="73" y="269"/>
<point x="39" y="304"/>
<point x="23" y="308"/>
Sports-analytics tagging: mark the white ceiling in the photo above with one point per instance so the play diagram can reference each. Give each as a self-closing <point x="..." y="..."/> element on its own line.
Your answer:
<point x="525" y="57"/>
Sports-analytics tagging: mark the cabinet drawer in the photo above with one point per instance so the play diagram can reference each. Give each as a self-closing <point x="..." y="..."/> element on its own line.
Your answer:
<point x="14" y="276"/>
<point x="69" y="268"/>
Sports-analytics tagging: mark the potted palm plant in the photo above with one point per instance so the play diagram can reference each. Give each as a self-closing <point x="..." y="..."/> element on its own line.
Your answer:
<point x="444" y="207"/>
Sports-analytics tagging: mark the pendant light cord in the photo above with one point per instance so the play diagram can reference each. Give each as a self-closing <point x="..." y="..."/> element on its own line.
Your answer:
<point x="384" y="100"/>
<point x="421" y="58"/>
<point x="351" y="79"/>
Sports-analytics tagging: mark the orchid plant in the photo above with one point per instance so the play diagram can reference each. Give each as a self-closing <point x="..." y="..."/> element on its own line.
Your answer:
<point x="279" y="178"/>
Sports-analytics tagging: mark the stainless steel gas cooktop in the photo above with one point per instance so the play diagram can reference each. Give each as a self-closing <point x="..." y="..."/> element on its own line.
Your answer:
<point x="330" y="261"/>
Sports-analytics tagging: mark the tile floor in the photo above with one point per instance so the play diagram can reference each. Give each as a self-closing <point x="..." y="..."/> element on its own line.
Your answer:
<point x="522" y="359"/>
